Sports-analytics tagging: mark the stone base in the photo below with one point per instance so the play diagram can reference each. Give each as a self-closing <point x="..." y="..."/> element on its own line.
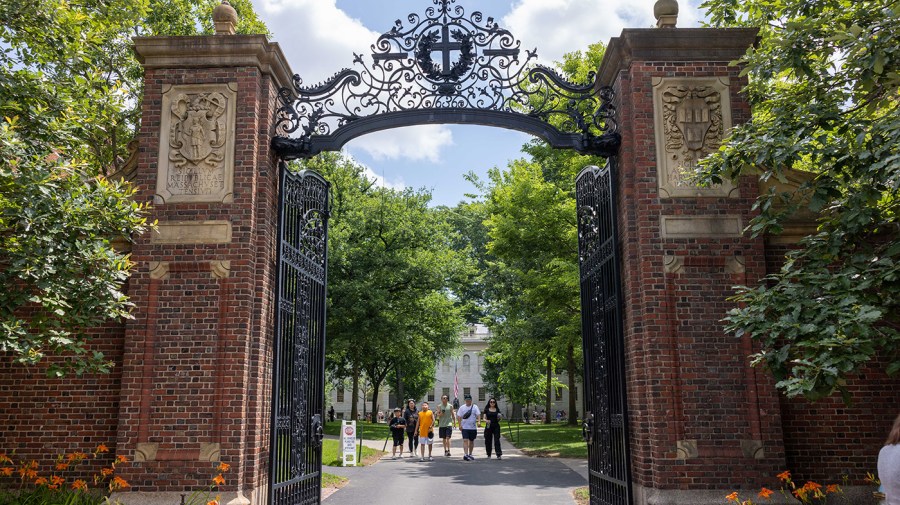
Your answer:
<point x="855" y="495"/>
<point x="174" y="498"/>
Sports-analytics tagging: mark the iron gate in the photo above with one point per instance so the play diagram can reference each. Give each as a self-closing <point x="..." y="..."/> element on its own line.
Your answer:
<point x="299" y="381"/>
<point x="606" y="419"/>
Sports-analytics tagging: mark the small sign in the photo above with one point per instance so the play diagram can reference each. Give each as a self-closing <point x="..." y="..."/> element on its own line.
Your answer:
<point x="348" y="442"/>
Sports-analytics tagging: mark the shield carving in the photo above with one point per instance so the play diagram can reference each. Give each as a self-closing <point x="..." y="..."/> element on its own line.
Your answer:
<point x="198" y="132"/>
<point x="694" y="121"/>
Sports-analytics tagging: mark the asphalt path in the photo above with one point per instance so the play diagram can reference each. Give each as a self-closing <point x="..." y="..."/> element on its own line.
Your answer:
<point x="517" y="478"/>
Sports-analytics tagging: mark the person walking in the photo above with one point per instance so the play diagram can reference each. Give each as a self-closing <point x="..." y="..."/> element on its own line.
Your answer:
<point x="398" y="426"/>
<point x="426" y="431"/>
<point x="446" y="415"/>
<point x="491" y="416"/>
<point x="468" y="424"/>
<point x="889" y="465"/>
<point x="411" y="416"/>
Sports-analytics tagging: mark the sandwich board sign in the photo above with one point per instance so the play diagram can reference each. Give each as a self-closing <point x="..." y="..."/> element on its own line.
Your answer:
<point x="348" y="442"/>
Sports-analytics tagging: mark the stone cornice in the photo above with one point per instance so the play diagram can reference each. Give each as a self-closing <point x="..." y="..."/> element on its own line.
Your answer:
<point x="678" y="44"/>
<point x="215" y="51"/>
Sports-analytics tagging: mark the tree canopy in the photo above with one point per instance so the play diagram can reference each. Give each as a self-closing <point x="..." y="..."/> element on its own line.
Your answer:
<point x="823" y="83"/>
<point x="70" y="96"/>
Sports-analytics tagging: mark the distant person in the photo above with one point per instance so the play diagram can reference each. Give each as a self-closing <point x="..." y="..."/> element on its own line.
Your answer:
<point x="426" y="431"/>
<point x="446" y="415"/>
<point x="411" y="416"/>
<point x="492" y="418"/>
<point x="468" y="425"/>
<point x="331" y="414"/>
<point x="398" y="426"/>
<point x="889" y="466"/>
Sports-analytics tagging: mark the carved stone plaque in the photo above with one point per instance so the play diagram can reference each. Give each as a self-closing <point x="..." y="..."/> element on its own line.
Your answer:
<point x="196" y="149"/>
<point x="692" y="117"/>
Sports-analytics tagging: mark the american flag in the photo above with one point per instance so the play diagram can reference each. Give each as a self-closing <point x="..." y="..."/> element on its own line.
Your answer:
<point x="455" y="382"/>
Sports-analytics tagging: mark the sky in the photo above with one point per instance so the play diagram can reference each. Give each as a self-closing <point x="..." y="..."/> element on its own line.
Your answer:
<point x="319" y="38"/>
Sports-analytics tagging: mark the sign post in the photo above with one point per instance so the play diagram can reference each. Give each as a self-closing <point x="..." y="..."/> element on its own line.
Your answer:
<point x="348" y="442"/>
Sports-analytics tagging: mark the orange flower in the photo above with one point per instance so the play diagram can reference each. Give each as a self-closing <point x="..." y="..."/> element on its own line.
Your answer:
<point x="5" y="459"/>
<point x="62" y="466"/>
<point x="121" y="459"/>
<point x="102" y="448"/>
<point x="76" y="456"/>
<point x="224" y="467"/>
<point x="212" y="502"/>
<point x="57" y="480"/>
<point x="7" y="471"/>
<point x="29" y="471"/>
<point x="765" y="493"/>
<point x="812" y="486"/>
<point x="106" y="472"/>
<point x="832" y="488"/>
<point x="79" y="485"/>
<point x="219" y="480"/>
<point x="40" y="481"/>
<point x="118" y="483"/>
<point x="785" y="475"/>
<point x="733" y="497"/>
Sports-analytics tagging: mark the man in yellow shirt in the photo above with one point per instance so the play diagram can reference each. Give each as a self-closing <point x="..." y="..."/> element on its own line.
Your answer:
<point x="426" y="430"/>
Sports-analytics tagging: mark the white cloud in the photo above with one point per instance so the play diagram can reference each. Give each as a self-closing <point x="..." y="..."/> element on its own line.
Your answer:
<point x="415" y="143"/>
<point x="380" y="180"/>
<point x="557" y="27"/>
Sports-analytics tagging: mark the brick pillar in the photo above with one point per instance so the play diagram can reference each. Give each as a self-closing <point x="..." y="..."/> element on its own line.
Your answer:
<point x="703" y="422"/>
<point x="197" y="361"/>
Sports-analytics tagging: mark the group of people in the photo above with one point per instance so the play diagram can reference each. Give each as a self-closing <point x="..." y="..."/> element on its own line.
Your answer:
<point x="419" y="424"/>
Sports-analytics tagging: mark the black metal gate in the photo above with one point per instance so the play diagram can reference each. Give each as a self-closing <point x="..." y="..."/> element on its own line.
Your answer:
<point x="299" y="380"/>
<point x="606" y="419"/>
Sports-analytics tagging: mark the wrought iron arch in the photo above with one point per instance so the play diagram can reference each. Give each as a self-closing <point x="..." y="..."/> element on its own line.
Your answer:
<point x="482" y="77"/>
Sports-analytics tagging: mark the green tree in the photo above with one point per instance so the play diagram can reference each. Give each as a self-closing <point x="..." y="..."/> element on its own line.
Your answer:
<point x="823" y="83"/>
<point x="390" y="271"/>
<point x="70" y="90"/>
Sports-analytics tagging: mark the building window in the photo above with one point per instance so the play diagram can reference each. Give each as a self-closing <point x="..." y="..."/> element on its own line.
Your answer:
<point x="467" y="363"/>
<point x="445" y="392"/>
<point x="482" y="394"/>
<point x="340" y="393"/>
<point x="558" y="393"/>
<point x="340" y="415"/>
<point x="431" y="396"/>
<point x="467" y="392"/>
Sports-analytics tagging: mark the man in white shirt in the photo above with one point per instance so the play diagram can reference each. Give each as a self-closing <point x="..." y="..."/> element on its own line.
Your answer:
<point x="468" y="415"/>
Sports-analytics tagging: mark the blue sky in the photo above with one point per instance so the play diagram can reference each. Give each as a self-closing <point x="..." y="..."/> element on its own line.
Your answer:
<point x="319" y="38"/>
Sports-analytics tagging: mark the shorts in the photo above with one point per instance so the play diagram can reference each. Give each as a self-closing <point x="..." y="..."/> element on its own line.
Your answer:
<point x="445" y="431"/>
<point x="425" y="440"/>
<point x="469" y="434"/>
<point x="398" y="437"/>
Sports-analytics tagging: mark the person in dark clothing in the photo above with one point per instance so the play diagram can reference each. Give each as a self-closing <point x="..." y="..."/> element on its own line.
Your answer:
<point x="398" y="425"/>
<point x="331" y="414"/>
<point x="491" y="416"/>
<point x="411" y="415"/>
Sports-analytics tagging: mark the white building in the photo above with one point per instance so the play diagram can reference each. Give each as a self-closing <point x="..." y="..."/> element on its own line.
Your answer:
<point x="467" y="366"/>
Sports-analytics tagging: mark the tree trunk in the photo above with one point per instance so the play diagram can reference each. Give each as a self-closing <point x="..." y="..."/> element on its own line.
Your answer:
<point x="547" y="401"/>
<point x="400" y="396"/>
<point x="570" y="369"/>
<point x="375" y="388"/>
<point x="354" y="410"/>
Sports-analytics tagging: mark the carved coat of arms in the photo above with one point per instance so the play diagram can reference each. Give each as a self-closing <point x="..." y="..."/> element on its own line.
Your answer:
<point x="197" y="143"/>
<point x="693" y="127"/>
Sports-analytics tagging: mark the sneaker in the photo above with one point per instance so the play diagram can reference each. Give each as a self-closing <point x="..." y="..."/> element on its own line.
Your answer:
<point x="499" y="457"/>
<point x="471" y="458"/>
<point x="447" y="453"/>
<point x="430" y="458"/>
<point x="421" y="459"/>
<point x="489" y="456"/>
<point x="393" y="457"/>
<point x="466" y="457"/>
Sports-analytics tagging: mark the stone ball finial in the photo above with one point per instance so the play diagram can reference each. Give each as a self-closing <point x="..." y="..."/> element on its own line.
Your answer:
<point x="225" y="18"/>
<point x="666" y="12"/>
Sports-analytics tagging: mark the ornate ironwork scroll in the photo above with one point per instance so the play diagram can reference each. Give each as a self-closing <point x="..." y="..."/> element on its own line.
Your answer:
<point x="603" y="339"/>
<point x="298" y="386"/>
<point x="445" y="67"/>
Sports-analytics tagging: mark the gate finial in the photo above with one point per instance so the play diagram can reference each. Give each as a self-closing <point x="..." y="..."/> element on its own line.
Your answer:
<point x="666" y="12"/>
<point x="225" y="18"/>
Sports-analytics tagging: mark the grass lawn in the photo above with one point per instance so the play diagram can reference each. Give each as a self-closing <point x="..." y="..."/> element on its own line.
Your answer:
<point x="331" y="454"/>
<point x="331" y="480"/>
<point x="582" y="495"/>
<point x="369" y="431"/>
<point x="547" y="440"/>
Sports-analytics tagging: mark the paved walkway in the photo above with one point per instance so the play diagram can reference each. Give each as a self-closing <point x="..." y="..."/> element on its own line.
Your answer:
<point x="516" y="478"/>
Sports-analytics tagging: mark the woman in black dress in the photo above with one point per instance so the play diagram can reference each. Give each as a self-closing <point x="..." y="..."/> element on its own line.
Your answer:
<point x="491" y="416"/>
<point x="412" y="429"/>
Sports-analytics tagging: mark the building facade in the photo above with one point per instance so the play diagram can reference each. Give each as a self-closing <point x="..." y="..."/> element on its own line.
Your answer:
<point x="466" y="366"/>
